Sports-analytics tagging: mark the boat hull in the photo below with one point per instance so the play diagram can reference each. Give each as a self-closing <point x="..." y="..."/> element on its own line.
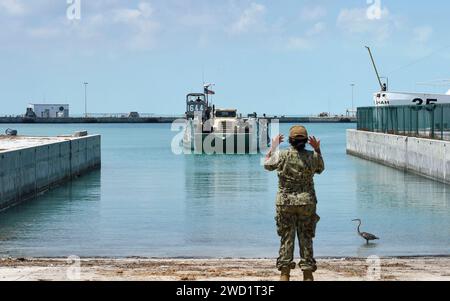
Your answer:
<point x="224" y="143"/>
<point x="382" y="99"/>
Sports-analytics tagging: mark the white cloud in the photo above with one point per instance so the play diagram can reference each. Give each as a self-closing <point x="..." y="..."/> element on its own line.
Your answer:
<point x="116" y="25"/>
<point x="44" y="32"/>
<point x="13" y="7"/>
<point x="418" y="46"/>
<point x="422" y="34"/>
<point x="313" y="13"/>
<point x="306" y="41"/>
<point x="317" y="29"/>
<point x="127" y="15"/>
<point x="135" y="28"/>
<point x="355" y="21"/>
<point x="201" y="20"/>
<point x="141" y="23"/>
<point x="298" y="43"/>
<point x="251" y="18"/>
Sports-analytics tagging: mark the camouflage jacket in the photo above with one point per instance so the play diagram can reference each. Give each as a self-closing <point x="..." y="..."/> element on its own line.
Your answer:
<point x="296" y="171"/>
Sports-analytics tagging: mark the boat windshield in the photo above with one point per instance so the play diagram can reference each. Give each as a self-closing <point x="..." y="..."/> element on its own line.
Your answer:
<point x="196" y="98"/>
<point x="226" y="114"/>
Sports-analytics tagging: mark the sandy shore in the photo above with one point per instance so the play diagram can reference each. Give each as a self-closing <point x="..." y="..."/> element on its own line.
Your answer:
<point x="334" y="269"/>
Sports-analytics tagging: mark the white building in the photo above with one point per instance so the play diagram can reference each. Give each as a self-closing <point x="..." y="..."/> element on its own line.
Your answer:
<point x="50" y="110"/>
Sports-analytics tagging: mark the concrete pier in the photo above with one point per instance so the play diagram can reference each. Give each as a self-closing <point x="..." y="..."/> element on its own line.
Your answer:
<point x="31" y="165"/>
<point x="425" y="157"/>
<point x="90" y="120"/>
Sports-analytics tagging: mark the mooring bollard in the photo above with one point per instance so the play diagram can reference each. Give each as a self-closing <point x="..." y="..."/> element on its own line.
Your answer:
<point x="80" y="134"/>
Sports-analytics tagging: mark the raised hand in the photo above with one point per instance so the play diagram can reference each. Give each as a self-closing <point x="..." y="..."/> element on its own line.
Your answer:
<point x="315" y="143"/>
<point x="277" y="141"/>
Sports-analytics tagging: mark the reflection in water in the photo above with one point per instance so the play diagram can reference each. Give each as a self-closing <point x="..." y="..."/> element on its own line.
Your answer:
<point x="366" y="250"/>
<point x="224" y="176"/>
<point x="149" y="202"/>
<point x="407" y="211"/>
<point x="218" y="191"/>
<point x="66" y="213"/>
<point x="378" y="185"/>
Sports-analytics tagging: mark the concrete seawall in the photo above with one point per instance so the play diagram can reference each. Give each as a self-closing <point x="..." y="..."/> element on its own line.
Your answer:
<point x="31" y="165"/>
<point x="425" y="157"/>
<point x="76" y="120"/>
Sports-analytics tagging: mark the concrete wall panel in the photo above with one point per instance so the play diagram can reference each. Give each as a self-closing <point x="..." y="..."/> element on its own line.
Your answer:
<point x="426" y="157"/>
<point x="25" y="172"/>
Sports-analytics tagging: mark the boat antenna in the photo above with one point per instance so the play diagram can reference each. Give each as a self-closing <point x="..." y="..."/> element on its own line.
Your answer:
<point x="203" y="75"/>
<point x="205" y="91"/>
<point x="375" y="67"/>
<point x="204" y="84"/>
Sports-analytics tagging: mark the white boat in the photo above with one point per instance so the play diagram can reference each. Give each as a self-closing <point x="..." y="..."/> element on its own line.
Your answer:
<point x="388" y="98"/>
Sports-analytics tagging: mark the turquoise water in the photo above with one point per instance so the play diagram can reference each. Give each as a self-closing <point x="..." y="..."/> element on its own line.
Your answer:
<point x="148" y="202"/>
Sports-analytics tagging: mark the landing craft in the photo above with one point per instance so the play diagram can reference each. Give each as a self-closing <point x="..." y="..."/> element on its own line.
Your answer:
<point x="221" y="131"/>
<point x="387" y="98"/>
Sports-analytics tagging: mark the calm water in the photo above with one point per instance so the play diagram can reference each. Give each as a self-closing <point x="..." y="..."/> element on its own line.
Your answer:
<point x="148" y="202"/>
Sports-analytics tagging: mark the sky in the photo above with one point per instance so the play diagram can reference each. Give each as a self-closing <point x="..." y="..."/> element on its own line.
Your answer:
<point x="284" y="57"/>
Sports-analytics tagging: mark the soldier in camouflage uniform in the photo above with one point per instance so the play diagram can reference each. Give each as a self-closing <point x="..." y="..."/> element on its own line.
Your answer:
<point x="296" y="199"/>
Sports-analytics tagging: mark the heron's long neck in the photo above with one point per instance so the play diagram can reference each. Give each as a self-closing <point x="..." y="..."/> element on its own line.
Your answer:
<point x="359" y="226"/>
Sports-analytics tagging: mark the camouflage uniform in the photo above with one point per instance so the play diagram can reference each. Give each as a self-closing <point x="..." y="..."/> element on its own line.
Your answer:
<point x="296" y="204"/>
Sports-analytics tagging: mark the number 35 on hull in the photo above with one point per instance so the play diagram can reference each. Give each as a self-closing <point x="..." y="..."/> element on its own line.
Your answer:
<point x="404" y="98"/>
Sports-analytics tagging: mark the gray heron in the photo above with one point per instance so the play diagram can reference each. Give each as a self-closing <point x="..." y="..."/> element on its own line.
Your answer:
<point x="367" y="236"/>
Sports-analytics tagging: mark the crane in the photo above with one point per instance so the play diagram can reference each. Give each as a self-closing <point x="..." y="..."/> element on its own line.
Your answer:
<point x="382" y="86"/>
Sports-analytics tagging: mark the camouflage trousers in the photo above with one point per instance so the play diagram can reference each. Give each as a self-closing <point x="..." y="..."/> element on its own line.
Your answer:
<point x="300" y="221"/>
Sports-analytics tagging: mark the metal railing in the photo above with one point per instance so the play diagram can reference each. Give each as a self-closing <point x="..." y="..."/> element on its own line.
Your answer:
<point x="426" y="121"/>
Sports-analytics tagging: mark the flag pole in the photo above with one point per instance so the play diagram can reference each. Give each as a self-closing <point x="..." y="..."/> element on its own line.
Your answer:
<point x="204" y="85"/>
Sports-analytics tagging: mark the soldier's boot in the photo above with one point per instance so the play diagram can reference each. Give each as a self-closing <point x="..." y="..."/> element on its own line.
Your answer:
<point x="308" y="276"/>
<point x="285" y="274"/>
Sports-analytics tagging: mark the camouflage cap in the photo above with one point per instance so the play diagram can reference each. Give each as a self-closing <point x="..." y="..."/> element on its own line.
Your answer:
<point x="298" y="131"/>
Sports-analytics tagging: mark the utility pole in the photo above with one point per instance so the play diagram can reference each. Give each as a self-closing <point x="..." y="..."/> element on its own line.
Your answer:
<point x="85" y="100"/>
